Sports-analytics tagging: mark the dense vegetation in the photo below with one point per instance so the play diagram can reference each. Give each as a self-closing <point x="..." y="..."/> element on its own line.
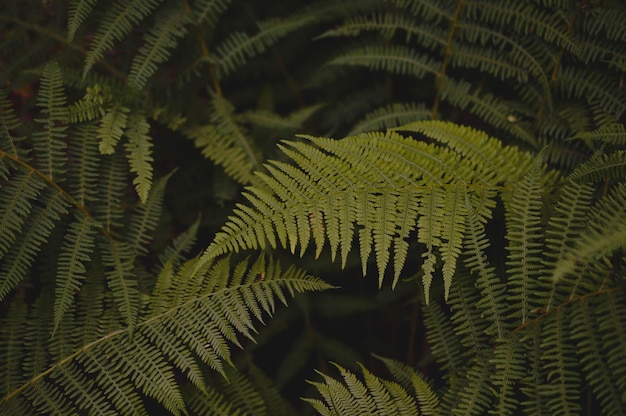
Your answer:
<point x="191" y="192"/>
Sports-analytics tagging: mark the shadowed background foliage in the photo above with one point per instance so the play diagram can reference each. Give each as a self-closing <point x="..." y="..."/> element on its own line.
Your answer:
<point x="168" y="183"/>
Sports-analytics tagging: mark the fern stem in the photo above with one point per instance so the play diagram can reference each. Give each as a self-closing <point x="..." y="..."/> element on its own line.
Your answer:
<point x="446" y="58"/>
<point x="569" y="302"/>
<point x="205" y="54"/>
<point x="63" y="40"/>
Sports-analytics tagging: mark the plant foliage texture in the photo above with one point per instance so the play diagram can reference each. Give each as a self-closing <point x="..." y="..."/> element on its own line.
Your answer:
<point x="174" y="172"/>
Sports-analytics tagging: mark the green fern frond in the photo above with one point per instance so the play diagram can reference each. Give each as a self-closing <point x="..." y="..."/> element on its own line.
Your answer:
<point x="388" y="24"/>
<point x="227" y="143"/>
<point x="115" y="24"/>
<point x="524" y="52"/>
<point x="139" y="148"/>
<point x="197" y="319"/>
<point x="577" y="83"/>
<point x="509" y="362"/>
<point x="606" y="232"/>
<point x="77" y="12"/>
<point x="111" y="129"/>
<point x="78" y="244"/>
<point x="49" y="143"/>
<point x="427" y="10"/>
<point x="610" y="313"/>
<point x="170" y="25"/>
<point x="144" y="220"/>
<point x="15" y="206"/>
<point x="446" y="345"/>
<point x="209" y="401"/>
<point x="415" y="384"/>
<point x="9" y="143"/>
<point x="390" y="116"/>
<point x="373" y="396"/>
<point x="173" y="253"/>
<point x="118" y="259"/>
<point x="111" y="182"/>
<point x="82" y="180"/>
<point x="396" y="59"/>
<point x="565" y="227"/>
<point x="524" y="18"/>
<point x="601" y="167"/>
<point x="384" y="184"/>
<point x="562" y="389"/>
<point x="523" y="237"/>
<point x="208" y="11"/>
<point x="468" y="321"/>
<point x="607" y="21"/>
<point x="239" y="47"/>
<point x="488" y="107"/>
<point x="42" y="218"/>
<point x="612" y="133"/>
<point x="492" y="288"/>
<point x="474" y="398"/>
<point x="600" y="375"/>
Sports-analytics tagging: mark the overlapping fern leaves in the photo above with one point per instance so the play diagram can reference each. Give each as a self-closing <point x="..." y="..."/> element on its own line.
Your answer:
<point x="377" y="188"/>
<point x="87" y="326"/>
<point x="516" y="337"/>
<point x="91" y="327"/>
<point x="108" y="369"/>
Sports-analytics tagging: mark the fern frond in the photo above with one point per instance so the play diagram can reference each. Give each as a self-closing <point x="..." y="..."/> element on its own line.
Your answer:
<point x="599" y="374"/>
<point x="170" y="25"/>
<point x="111" y="129"/>
<point x="390" y="116"/>
<point x="111" y="182"/>
<point x="118" y="260"/>
<point x="239" y="47"/>
<point x="82" y="179"/>
<point x="209" y="401"/>
<point x="181" y="244"/>
<point x="42" y="218"/>
<point x="198" y="318"/>
<point x="577" y="83"/>
<point x="474" y="397"/>
<point x="509" y="362"/>
<point x="488" y="107"/>
<point x="468" y="321"/>
<point x="446" y="344"/>
<point x="492" y="288"/>
<point x="563" y="387"/>
<point x="523" y="237"/>
<point x="565" y="227"/>
<point x="139" y="148"/>
<point x="207" y="11"/>
<point x="524" y="18"/>
<point x="395" y="59"/>
<point x="384" y="184"/>
<point x="9" y="143"/>
<point x="606" y="233"/>
<point x="144" y="220"/>
<point x="388" y="24"/>
<point x="414" y="383"/>
<point x="75" y="254"/>
<point x="77" y="12"/>
<point x="373" y="396"/>
<point x="49" y="143"/>
<point x="227" y="143"/>
<point x="613" y="133"/>
<point x="601" y="167"/>
<point x="115" y="24"/>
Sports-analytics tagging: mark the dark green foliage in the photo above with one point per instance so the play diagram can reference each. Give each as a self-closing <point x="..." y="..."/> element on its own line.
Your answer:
<point x="167" y="177"/>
